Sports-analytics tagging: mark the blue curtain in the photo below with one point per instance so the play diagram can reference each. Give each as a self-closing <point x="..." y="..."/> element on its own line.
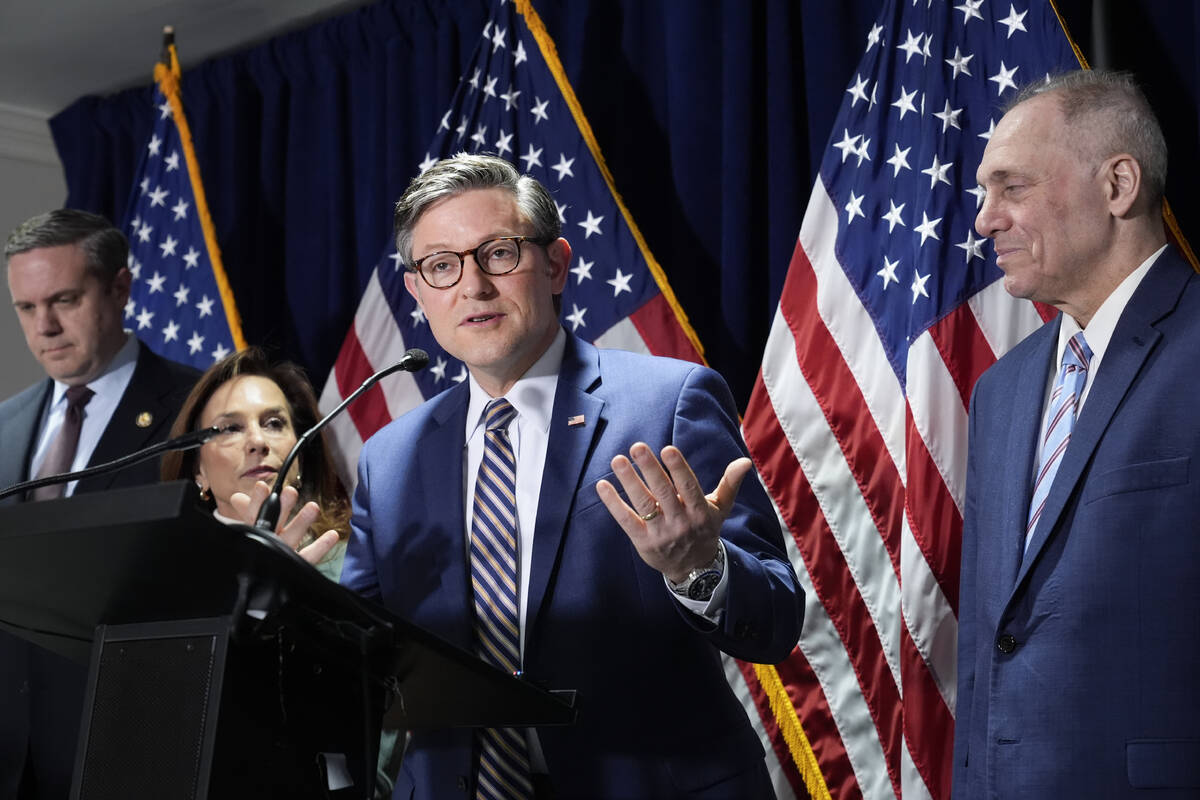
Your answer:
<point x="303" y="143"/>
<point x="712" y="116"/>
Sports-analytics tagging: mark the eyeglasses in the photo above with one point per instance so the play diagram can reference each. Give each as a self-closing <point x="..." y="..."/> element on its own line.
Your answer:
<point x="501" y="256"/>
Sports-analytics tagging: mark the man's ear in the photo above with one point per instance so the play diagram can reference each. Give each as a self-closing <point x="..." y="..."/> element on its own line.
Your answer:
<point x="1123" y="183"/>
<point x="121" y="284"/>
<point x="558" y="254"/>
<point x="413" y="284"/>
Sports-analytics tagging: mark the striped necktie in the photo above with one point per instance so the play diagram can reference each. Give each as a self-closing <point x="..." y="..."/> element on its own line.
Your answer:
<point x="503" y="752"/>
<point x="1064" y="399"/>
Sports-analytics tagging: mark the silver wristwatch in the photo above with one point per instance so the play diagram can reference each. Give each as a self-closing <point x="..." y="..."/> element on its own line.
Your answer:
<point x="700" y="583"/>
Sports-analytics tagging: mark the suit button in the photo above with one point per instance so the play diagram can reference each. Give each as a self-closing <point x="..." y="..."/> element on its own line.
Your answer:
<point x="462" y="783"/>
<point x="1006" y="643"/>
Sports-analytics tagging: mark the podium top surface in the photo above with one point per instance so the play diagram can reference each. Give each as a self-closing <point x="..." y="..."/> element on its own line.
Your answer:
<point x="140" y="554"/>
<point x="153" y="554"/>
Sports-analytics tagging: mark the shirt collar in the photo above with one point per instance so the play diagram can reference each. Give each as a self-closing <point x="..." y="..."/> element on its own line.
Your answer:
<point x="114" y="375"/>
<point x="1103" y="324"/>
<point x="533" y="393"/>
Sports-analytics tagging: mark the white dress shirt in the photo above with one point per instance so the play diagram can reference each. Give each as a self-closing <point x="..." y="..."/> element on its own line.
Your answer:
<point x="533" y="398"/>
<point x="1098" y="334"/>
<point x="108" y="389"/>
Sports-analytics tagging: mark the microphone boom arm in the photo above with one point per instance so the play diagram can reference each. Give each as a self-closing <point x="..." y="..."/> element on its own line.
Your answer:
<point x="268" y="513"/>
<point x="187" y="441"/>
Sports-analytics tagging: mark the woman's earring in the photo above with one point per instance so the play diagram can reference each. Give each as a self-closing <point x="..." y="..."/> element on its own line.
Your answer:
<point x="204" y="493"/>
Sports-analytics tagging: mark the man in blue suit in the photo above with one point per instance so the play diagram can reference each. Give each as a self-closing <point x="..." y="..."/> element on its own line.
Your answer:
<point x="1079" y="624"/>
<point x="628" y="598"/>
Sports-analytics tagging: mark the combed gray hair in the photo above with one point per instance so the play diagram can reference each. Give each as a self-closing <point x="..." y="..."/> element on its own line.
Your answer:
<point x="464" y="172"/>
<point x="105" y="247"/>
<point x="1116" y="116"/>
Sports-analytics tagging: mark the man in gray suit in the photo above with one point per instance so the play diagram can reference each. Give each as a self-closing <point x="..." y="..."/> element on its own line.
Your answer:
<point x="69" y="282"/>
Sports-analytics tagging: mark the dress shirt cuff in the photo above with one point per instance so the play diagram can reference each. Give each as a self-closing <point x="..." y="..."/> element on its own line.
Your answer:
<point x="712" y="609"/>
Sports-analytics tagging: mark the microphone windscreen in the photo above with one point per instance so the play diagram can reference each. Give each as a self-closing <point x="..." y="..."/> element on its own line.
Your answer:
<point x="415" y="359"/>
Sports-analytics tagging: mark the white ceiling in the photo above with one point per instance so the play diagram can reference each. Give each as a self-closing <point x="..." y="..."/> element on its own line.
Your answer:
<point x="55" y="51"/>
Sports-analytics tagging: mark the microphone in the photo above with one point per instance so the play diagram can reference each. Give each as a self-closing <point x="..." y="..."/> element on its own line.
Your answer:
<point x="187" y="441"/>
<point x="268" y="514"/>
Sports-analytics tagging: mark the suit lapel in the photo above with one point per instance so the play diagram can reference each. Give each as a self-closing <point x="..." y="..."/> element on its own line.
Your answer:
<point x="19" y="431"/>
<point x="1132" y="342"/>
<point x="441" y="448"/>
<point x="1029" y="395"/>
<point x="141" y="415"/>
<point x="566" y="457"/>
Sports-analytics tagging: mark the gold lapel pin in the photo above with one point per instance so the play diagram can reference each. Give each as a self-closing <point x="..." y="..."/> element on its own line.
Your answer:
<point x="144" y="419"/>
<point x="575" y="420"/>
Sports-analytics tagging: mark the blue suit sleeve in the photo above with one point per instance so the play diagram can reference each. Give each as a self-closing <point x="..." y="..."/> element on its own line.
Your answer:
<point x="359" y="571"/>
<point x="764" y="607"/>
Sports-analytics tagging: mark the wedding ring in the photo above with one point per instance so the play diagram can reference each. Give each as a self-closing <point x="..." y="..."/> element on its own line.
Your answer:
<point x="647" y="517"/>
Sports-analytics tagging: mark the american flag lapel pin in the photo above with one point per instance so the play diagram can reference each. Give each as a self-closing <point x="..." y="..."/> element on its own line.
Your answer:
<point x="575" y="421"/>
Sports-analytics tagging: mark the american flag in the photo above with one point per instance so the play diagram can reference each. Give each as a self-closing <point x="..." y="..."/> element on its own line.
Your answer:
<point x="181" y="304"/>
<point x="858" y="423"/>
<point x="514" y="101"/>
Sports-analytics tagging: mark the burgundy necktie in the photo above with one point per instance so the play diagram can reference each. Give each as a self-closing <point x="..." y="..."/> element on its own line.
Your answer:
<point x="61" y="453"/>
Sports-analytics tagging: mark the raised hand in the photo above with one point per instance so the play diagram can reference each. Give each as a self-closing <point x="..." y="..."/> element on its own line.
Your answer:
<point x="672" y="523"/>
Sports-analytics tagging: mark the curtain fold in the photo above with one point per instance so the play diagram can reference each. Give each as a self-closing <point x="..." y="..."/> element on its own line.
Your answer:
<point x="303" y="142"/>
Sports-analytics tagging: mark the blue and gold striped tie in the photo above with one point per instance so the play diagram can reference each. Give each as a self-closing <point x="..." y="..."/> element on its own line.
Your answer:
<point x="503" y="752"/>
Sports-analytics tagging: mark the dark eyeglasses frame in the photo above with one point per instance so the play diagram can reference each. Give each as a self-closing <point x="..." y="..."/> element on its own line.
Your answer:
<point x="462" y="259"/>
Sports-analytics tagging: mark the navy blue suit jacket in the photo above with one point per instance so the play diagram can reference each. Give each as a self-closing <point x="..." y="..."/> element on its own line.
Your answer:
<point x="1079" y="665"/>
<point x="41" y="693"/>
<point x="656" y="715"/>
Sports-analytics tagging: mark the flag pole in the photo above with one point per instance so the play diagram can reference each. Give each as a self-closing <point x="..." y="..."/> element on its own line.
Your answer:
<point x="168" y="43"/>
<point x="167" y="75"/>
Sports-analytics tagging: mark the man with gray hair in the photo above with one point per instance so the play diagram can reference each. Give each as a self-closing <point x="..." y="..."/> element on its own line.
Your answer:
<point x="490" y="516"/>
<point x="1079" y="616"/>
<point x="105" y="396"/>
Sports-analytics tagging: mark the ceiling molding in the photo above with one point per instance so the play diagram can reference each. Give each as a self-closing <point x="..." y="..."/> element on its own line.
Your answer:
<point x="25" y="136"/>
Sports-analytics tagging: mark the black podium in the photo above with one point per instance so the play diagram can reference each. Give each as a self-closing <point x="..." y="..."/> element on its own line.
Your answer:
<point x="223" y="665"/>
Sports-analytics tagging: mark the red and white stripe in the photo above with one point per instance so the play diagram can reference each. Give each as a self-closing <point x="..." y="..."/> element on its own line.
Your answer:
<point x="868" y="478"/>
<point x="373" y="342"/>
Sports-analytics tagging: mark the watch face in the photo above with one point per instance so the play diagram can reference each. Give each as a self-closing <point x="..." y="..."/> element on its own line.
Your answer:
<point x="703" y="586"/>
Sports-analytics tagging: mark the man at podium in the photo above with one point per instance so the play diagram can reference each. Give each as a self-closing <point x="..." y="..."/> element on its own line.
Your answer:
<point x="105" y="395"/>
<point x="550" y="515"/>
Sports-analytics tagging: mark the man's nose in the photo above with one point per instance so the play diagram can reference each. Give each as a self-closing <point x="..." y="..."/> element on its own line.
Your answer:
<point x="475" y="282"/>
<point x="991" y="218"/>
<point x="47" y="322"/>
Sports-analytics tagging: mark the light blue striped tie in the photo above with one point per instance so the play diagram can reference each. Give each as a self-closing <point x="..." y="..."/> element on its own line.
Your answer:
<point x="1064" y="399"/>
<point x="503" y="752"/>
